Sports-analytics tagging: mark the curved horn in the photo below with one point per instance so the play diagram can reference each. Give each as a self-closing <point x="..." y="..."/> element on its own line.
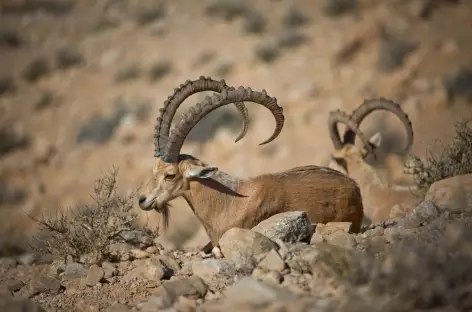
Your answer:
<point x="338" y="116"/>
<point x="180" y="94"/>
<point x="369" y="106"/>
<point x="227" y="96"/>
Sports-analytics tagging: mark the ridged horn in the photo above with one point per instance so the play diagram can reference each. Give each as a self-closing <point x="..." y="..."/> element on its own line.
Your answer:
<point x="227" y="96"/>
<point x="180" y="94"/>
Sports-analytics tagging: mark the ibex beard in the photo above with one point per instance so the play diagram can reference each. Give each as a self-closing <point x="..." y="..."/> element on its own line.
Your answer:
<point x="170" y="181"/>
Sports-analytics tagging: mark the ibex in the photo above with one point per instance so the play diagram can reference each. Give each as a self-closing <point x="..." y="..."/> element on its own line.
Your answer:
<point x="221" y="201"/>
<point x="379" y="195"/>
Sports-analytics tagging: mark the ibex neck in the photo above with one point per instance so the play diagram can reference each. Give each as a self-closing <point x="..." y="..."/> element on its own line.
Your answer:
<point x="364" y="174"/>
<point x="210" y="199"/>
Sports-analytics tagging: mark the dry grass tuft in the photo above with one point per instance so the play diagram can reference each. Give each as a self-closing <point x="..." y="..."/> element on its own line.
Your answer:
<point x="89" y="229"/>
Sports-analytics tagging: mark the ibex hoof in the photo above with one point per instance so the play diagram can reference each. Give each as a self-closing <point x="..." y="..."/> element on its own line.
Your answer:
<point x="217" y="253"/>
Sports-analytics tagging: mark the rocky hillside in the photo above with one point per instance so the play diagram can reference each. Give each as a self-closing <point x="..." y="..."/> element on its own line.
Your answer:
<point x="418" y="262"/>
<point x="81" y="84"/>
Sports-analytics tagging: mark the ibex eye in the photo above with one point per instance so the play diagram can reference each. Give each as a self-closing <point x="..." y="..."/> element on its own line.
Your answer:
<point x="170" y="177"/>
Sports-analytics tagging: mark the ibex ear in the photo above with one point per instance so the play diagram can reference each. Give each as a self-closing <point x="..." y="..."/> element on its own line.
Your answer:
<point x="376" y="140"/>
<point x="200" y="172"/>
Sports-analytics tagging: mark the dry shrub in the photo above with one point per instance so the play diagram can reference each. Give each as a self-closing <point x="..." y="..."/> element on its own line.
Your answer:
<point x="89" y="229"/>
<point x="455" y="159"/>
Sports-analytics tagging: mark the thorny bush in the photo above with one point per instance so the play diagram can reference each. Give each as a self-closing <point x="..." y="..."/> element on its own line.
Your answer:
<point x="455" y="159"/>
<point x="89" y="230"/>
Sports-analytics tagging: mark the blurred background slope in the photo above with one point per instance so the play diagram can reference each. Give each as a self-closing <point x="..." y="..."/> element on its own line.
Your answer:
<point x="81" y="83"/>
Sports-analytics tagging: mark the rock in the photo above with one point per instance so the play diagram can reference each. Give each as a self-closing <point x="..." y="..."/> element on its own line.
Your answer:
<point x="94" y="275"/>
<point x="152" y="250"/>
<point x="252" y="291"/>
<point x="109" y="269"/>
<point x="170" y="262"/>
<point x="341" y="239"/>
<point x="44" y="284"/>
<point x="452" y="194"/>
<point x="151" y="269"/>
<point x="302" y="259"/>
<point x="137" y="237"/>
<point x="210" y="269"/>
<point x="74" y="270"/>
<point x="290" y="227"/>
<point x="331" y="227"/>
<point x="120" y="251"/>
<point x="424" y="213"/>
<point x="241" y="246"/>
<point x="19" y="304"/>
<point x="316" y="238"/>
<point x="7" y="263"/>
<point x="272" y="262"/>
<point x="138" y="254"/>
<point x="154" y="269"/>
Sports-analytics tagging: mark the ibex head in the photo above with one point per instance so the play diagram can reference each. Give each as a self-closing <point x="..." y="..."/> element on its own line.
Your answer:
<point x="173" y="172"/>
<point x="346" y="149"/>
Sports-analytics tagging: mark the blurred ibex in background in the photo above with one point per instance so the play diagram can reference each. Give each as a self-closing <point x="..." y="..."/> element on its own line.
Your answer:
<point x="221" y="201"/>
<point x="379" y="195"/>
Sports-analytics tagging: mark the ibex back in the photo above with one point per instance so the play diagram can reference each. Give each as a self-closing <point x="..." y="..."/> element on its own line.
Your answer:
<point x="221" y="201"/>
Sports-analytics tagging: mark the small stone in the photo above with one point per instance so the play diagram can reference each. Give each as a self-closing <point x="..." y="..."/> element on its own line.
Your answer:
<point x="290" y="227"/>
<point x="240" y="246"/>
<point x="154" y="270"/>
<point x="109" y="269"/>
<point x="342" y="239"/>
<point x="120" y="251"/>
<point x="138" y="254"/>
<point x="331" y="227"/>
<point x="273" y="262"/>
<point x="94" y="275"/>
<point x="316" y="239"/>
<point x="152" y="250"/>
<point x="170" y="262"/>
